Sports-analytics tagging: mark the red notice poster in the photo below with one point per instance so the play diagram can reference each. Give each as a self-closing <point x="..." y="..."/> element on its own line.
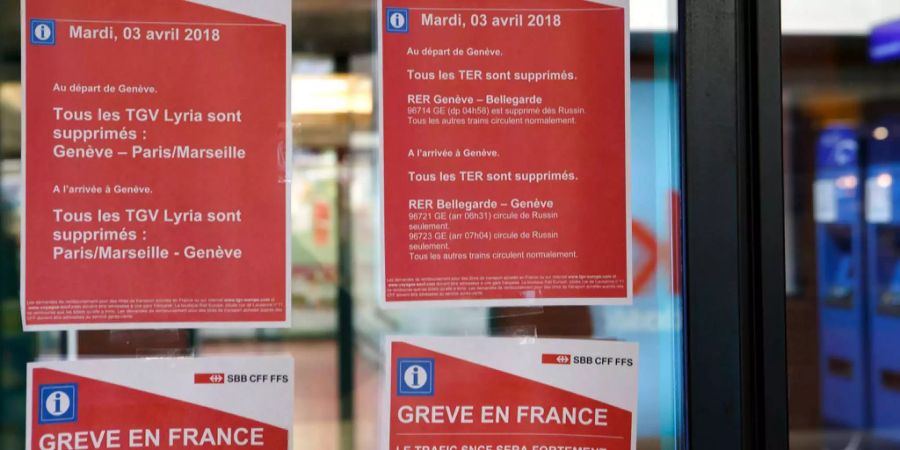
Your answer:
<point x="505" y="155"/>
<point x="226" y="403"/>
<point x="510" y="394"/>
<point x="156" y="162"/>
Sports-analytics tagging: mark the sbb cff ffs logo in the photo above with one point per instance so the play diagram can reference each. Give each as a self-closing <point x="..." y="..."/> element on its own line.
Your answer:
<point x="561" y="359"/>
<point x="603" y="361"/>
<point x="221" y="378"/>
<point x="257" y="378"/>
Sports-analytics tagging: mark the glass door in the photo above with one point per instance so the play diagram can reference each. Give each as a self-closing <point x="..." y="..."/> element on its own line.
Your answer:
<point x="675" y="358"/>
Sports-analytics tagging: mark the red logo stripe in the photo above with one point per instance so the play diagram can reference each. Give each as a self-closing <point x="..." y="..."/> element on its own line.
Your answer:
<point x="209" y="378"/>
<point x="553" y="358"/>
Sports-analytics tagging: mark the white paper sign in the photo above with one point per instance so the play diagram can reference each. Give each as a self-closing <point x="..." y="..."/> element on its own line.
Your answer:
<point x="825" y="201"/>
<point x="230" y="403"/>
<point x="505" y="392"/>
<point x="879" y="201"/>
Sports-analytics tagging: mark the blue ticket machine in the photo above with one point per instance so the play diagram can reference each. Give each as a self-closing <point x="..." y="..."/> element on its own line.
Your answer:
<point x="883" y="260"/>
<point x="843" y="357"/>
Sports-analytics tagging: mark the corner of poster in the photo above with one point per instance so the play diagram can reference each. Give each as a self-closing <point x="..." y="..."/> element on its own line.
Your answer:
<point x="381" y="278"/>
<point x="384" y="396"/>
<point x="288" y="167"/>
<point x="23" y="40"/>
<point x="28" y="401"/>
<point x="624" y="4"/>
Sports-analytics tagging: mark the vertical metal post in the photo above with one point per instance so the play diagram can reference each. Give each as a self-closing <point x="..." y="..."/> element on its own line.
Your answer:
<point x="71" y="345"/>
<point x="769" y="161"/>
<point x="733" y="224"/>
<point x="346" y="331"/>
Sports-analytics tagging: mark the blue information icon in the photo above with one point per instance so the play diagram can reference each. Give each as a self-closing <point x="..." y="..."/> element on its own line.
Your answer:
<point x="58" y="403"/>
<point x="43" y="32"/>
<point x="397" y="20"/>
<point x="415" y="376"/>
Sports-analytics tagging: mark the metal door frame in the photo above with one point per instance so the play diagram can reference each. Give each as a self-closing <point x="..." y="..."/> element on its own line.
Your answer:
<point x="736" y="375"/>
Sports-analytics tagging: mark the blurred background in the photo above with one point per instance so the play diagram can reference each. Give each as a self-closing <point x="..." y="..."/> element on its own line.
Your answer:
<point x="842" y="155"/>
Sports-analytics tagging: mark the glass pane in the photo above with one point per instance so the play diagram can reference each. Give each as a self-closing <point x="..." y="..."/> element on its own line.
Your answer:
<point x="840" y="122"/>
<point x="339" y="329"/>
